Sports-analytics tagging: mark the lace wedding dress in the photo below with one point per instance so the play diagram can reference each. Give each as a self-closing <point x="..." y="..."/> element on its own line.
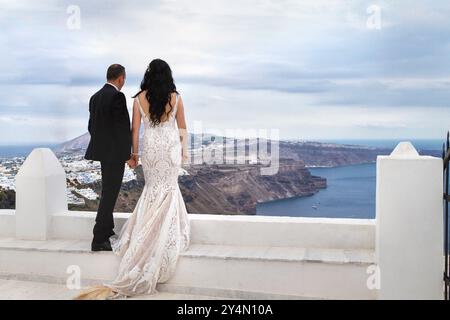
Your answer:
<point x="158" y="230"/>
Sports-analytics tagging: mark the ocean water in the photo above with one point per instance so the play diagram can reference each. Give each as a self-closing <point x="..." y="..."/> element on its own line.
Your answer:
<point x="22" y="150"/>
<point x="350" y="194"/>
<point x="350" y="191"/>
<point x="419" y="144"/>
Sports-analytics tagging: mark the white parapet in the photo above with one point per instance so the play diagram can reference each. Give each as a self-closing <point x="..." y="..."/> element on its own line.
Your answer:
<point x="409" y="225"/>
<point x="256" y="256"/>
<point x="235" y="230"/>
<point x="40" y="193"/>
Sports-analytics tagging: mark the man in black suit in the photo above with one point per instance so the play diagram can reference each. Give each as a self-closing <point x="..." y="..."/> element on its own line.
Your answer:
<point x="110" y="143"/>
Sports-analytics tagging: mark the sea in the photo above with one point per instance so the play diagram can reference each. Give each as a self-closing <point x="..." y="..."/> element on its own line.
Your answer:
<point x="11" y="151"/>
<point x="350" y="191"/>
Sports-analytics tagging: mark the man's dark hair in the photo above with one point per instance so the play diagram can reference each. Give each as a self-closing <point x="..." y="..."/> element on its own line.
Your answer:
<point x="114" y="71"/>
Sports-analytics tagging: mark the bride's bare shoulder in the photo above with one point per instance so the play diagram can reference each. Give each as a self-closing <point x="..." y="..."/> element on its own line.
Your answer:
<point x="142" y="96"/>
<point x="173" y="97"/>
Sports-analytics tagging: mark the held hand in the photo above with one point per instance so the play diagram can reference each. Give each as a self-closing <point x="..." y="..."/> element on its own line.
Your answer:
<point x="132" y="163"/>
<point x="135" y="157"/>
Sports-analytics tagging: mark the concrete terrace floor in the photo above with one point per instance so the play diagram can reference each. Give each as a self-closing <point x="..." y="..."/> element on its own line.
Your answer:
<point x="33" y="290"/>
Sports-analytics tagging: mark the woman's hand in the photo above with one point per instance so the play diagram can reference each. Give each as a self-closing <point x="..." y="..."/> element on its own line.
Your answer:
<point x="135" y="135"/>
<point x="135" y="157"/>
<point x="184" y="157"/>
<point x="133" y="162"/>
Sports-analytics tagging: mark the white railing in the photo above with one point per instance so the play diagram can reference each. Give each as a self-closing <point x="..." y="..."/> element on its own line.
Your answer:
<point x="407" y="234"/>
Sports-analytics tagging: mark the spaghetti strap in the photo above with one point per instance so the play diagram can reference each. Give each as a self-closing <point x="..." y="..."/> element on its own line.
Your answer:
<point x="173" y="113"/>
<point x="175" y="108"/>
<point x="140" y="107"/>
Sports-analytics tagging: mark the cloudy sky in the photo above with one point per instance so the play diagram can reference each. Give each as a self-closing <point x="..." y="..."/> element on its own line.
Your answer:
<point x="312" y="69"/>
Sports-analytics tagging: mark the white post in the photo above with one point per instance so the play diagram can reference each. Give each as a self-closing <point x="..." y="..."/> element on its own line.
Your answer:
<point x="409" y="233"/>
<point x="40" y="192"/>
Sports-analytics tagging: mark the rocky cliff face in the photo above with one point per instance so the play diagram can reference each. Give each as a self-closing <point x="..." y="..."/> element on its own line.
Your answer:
<point x="225" y="189"/>
<point x="237" y="189"/>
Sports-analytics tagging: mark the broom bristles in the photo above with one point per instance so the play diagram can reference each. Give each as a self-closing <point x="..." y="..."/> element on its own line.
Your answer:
<point x="95" y="293"/>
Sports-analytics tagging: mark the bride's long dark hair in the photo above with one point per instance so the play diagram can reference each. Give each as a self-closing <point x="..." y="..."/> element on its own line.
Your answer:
<point x="158" y="82"/>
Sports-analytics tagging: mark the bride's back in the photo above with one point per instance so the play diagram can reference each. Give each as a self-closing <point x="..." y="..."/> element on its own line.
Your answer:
<point x="170" y="108"/>
<point x="160" y="144"/>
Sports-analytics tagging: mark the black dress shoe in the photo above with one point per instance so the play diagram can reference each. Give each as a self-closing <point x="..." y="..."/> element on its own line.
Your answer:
<point x="101" y="246"/>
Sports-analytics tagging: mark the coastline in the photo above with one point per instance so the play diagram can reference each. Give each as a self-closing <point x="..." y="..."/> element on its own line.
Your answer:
<point x="338" y="166"/>
<point x="350" y="193"/>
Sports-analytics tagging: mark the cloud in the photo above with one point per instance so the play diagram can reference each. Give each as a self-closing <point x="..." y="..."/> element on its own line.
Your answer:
<point x="311" y="55"/>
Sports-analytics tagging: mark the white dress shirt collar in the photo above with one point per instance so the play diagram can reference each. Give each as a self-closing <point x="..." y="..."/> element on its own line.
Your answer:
<point x="113" y="86"/>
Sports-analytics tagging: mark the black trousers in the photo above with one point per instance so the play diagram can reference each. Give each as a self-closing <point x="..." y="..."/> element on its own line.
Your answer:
<point x="112" y="175"/>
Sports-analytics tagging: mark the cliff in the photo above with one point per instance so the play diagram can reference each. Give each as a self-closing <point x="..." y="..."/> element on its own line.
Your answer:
<point x="315" y="154"/>
<point x="225" y="189"/>
<point x="237" y="189"/>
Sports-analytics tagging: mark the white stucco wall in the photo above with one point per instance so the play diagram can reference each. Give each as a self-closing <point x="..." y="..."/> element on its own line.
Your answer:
<point x="407" y="233"/>
<point x="409" y="230"/>
<point x="40" y="192"/>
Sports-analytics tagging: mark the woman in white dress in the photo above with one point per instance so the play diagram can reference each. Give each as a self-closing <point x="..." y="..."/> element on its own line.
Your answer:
<point x="158" y="230"/>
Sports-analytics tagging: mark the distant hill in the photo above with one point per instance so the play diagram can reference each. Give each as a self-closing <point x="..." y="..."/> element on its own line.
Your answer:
<point x="310" y="152"/>
<point x="78" y="144"/>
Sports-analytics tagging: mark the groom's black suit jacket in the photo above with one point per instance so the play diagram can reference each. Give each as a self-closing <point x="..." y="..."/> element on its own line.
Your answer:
<point x="109" y="126"/>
